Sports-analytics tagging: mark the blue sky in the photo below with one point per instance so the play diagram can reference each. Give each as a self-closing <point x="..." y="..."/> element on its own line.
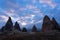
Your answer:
<point x="28" y="12"/>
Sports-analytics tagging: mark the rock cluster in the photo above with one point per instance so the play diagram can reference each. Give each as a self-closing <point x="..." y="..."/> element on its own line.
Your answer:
<point x="34" y="29"/>
<point x="49" y="25"/>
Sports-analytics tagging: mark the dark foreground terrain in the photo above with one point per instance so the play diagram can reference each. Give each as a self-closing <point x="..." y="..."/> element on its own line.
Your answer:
<point x="31" y="36"/>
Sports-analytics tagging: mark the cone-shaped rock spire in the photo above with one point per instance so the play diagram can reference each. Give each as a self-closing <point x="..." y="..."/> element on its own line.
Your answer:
<point x="47" y="24"/>
<point x="55" y="23"/>
<point x="46" y="19"/>
<point x="24" y="30"/>
<point x="17" y="27"/>
<point x="9" y="25"/>
<point x="34" y="29"/>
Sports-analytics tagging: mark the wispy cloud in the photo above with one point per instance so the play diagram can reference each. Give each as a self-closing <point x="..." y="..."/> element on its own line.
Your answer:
<point x="28" y="18"/>
<point x="9" y="12"/>
<point x="12" y="4"/>
<point x="31" y="7"/>
<point x="4" y="18"/>
<point x="48" y="2"/>
<point x="23" y="20"/>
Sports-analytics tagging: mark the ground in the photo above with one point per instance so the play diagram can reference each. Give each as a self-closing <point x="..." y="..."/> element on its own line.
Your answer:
<point x="31" y="36"/>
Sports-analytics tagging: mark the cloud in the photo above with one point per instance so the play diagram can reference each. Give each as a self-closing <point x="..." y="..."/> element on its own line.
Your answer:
<point x="23" y="20"/>
<point x="23" y="23"/>
<point x="5" y="18"/>
<point x="12" y="4"/>
<point x="40" y="21"/>
<point x="22" y="9"/>
<point x="34" y="10"/>
<point x="9" y="13"/>
<point x="48" y="2"/>
<point x="28" y="18"/>
<point x="31" y="7"/>
<point x="14" y="19"/>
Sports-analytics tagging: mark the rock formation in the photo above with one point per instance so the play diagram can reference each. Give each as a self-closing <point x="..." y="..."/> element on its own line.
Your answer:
<point x="24" y="30"/>
<point x="54" y="22"/>
<point x="17" y="27"/>
<point x="8" y="26"/>
<point x="34" y="29"/>
<point x="2" y="29"/>
<point x="47" y="24"/>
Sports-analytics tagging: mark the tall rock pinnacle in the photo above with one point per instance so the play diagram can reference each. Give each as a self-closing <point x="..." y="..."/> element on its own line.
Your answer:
<point x="17" y="27"/>
<point x="47" y="24"/>
<point x="34" y="29"/>
<point x="9" y="25"/>
<point x="24" y="30"/>
<point x="55" y="23"/>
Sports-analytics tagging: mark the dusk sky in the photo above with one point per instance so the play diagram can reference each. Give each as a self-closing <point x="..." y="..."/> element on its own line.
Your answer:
<point x="28" y="12"/>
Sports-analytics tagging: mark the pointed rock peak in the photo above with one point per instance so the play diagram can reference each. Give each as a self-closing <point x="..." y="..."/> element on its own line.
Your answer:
<point x="16" y="23"/>
<point x="9" y="19"/>
<point x="34" y="29"/>
<point x="46" y="17"/>
<point x="47" y="24"/>
<point x="9" y="24"/>
<point x="55" y="23"/>
<point x="53" y="19"/>
<point x="16" y="26"/>
<point x="24" y="30"/>
<point x="34" y="26"/>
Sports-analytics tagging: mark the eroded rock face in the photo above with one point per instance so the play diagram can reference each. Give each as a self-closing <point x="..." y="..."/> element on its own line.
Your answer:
<point x="47" y="24"/>
<point x="34" y="29"/>
<point x="8" y="26"/>
<point x="54" y="22"/>
<point x="17" y="27"/>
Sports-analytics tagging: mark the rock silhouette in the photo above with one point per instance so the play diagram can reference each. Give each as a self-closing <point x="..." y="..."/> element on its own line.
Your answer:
<point x="24" y="30"/>
<point x="54" y="22"/>
<point x="46" y="34"/>
<point x="2" y="29"/>
<point x="34" y="29"/>
<point x="17" y="27"/>
<point x="8" y="26"/>
<point x="47" y="24"/>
